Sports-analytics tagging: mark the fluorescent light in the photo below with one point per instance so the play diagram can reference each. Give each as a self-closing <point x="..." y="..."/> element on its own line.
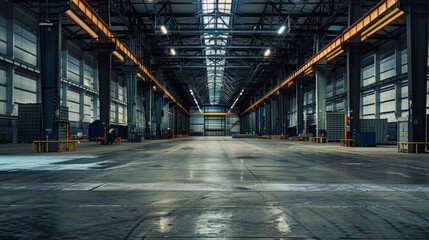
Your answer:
<point x="163" y="29"/>
<point x="267" y="52"/>
<point x="172" y="52"/>
<point x="281" y="29"/>
<point x="118" y="55"/>
<point x="81" y="24"/>
<point x="140" y="76"/>
<point x="46" y="24"/>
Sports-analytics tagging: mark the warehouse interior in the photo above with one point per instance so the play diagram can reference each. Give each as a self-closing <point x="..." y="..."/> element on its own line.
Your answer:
<point x="195" y="119"/>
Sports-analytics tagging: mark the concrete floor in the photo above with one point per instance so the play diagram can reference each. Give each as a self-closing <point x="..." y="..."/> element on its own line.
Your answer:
<point x="214" y="187"/>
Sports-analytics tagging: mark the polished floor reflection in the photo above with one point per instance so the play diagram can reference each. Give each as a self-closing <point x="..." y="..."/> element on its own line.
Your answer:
<point x="214" y="187"/>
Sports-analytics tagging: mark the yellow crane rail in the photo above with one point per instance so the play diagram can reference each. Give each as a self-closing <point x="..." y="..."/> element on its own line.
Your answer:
<point x="334" y="45"/>
<point x="104" y="28"/>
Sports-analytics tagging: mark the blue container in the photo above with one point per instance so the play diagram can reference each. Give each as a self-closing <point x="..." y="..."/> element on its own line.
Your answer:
<point x="365" y="139"/>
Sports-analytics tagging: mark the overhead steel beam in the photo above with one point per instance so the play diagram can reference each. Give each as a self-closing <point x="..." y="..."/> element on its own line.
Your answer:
<point x="241" y="3"/>
<point x="359" y="25"/>
<point x="213" y="114"/>
<point x="215" y="57"/>
<point x="242" y="15"/>
<point x="204" y="66"/>
<point x="223" y="31"/>
<point x="102" y="26"/>
<point x="217" y="47"/>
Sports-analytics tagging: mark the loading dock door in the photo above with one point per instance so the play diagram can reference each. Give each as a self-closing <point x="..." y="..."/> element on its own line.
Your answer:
<point x="214" y="126"/>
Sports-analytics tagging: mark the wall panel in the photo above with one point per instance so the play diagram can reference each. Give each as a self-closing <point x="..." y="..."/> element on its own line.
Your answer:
<point x="25" y="44"/>
<point x="387" y="61"/>
<point x="25" y="89"/>
<point x="73" y="68"/>
<point x="88" y="76"/>
<point x="87" y="109"/>
<point x="3" y="94"/>
<point x="3" y="34"/>
<point x="368" y="70"/>
<point x="73" y="103"/>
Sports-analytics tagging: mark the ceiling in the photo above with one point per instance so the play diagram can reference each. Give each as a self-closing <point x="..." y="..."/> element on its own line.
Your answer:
<point x="220" y="45"/>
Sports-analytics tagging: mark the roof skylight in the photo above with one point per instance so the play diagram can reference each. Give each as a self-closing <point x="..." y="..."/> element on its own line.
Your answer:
<point x="211" y="20"/>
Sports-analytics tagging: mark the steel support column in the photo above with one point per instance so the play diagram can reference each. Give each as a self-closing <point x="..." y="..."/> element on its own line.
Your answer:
<point x="321" y="76"/>
<point x="267" y="127"/>
<point x="10" y="86"/>
<point x="157" y="111"/>
<point x="148" y="102"/>
<point x="175" y="120"/>
<point x="275" y="119"/>
<point x="354" y="72"/>
<point x="131" y="101"/>
<point x="253" y="122"/>
<point x="398" y="85"/>
<point x="104" y="71"/>
<point x="284" y="103"/>
<point x="417" y="48"/>
<point x="10" y="70"/>
<point x="299" y="94"/>
<point x="377" y="74"/>
<point x="50" y="46"/>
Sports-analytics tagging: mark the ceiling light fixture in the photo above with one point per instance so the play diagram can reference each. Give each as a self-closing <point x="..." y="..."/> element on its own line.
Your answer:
<point x="236" y="100"/>
<point x="267" y="52"/>
<point x="163" y="29"/>
<point x="172" y="52"/>
<point x="281" y="29"/>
